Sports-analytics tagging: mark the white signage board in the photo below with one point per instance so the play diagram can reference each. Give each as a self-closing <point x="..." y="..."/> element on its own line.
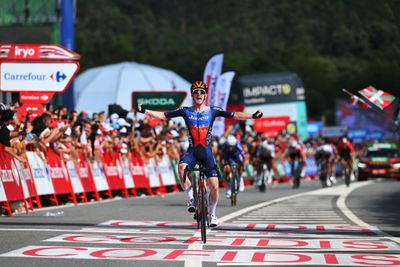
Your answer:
<point x="28" y="76"/>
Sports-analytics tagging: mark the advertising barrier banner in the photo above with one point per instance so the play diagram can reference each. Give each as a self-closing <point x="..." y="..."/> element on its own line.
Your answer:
<point x="126" y="173"/>
<point x="74" y="177"/>
<point x="40" y="173"/>
<point x="10" y="178"/>
<point x="99" y="177"/>
<point x="58" y="173"/>
<point x="139" y="172"/>
<point x="112" y="171"/>
<point x="166" y="171"/>
<point x="85" y="174"/>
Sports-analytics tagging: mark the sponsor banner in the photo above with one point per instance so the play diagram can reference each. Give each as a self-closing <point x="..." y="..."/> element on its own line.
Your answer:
<point x="85" y="174"/>
<point x="40" y="173"/>
<point x="99" y="177"/>
<point x="75" y="180"/>
<point x="296" y="111"/>
<point x="333" y="131"/>
<point x="23" y="179"/>
<point x="311" y="168"/>
<point x="224" y="83"/>
<point x="271" y="124"/>
<point x="166" y="171"/>
<point x="138" y="171"/>
<point x="126" y="173"/>
<point x="37" y="52"/>
<point x="152" y="173"/>
<point x="293" y="228"/>
<point x="313" y="128"/>
<point x="33" y="109"/>
<point x="267" y="243"/>
<point x="10" y="177"/>
<point x="159" y="100"/>
<point x="35" y="97"/>
<point x="269" y="88"/>
<point x="112" y="171"/>
<point x="210" y="76"/>
<point x="58" y="173"/>
<point x="3" y="196"/>
<point x="294" y="258"/>
<point x="40" y="77"/>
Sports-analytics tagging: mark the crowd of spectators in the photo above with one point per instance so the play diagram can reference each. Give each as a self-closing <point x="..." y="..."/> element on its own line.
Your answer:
<point x="69" y="133"/>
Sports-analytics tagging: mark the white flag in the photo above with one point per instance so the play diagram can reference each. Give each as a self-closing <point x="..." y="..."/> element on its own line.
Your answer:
<point x="224" y="83"/>
<point x="211" y="73"/>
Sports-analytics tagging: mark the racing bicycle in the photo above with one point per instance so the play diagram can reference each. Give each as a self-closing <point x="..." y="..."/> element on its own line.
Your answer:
<point x="234" y="184"/>
<point x="200" y="195"/>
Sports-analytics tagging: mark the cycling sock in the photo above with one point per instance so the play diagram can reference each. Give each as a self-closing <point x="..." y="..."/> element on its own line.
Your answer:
<point x="212" y="207"/>
<point x="189" y="193"/>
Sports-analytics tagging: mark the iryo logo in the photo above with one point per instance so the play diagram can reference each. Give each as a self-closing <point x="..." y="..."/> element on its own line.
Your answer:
<point x="26" y="52"/>
<point x="59" y="76"/>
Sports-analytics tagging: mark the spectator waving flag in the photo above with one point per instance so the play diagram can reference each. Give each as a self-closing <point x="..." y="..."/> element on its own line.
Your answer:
<point x="379" y="98"/>
<point x="355" y="100"/>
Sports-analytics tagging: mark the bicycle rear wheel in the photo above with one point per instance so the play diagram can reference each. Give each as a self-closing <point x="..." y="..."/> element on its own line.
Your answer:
<point x="203" y="213"/>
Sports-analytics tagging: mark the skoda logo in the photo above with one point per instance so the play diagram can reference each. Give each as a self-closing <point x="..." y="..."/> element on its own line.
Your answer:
<point x="286" y="89"/>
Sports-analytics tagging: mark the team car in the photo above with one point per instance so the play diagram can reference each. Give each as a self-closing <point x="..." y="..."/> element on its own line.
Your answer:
<point x="380" y="160"/>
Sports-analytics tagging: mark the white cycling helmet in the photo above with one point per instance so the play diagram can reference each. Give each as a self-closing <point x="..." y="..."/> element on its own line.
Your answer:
<point x="231" y="140"/>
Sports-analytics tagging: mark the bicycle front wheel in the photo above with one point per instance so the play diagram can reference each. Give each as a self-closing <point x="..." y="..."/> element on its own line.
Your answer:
<point x="203" y="213"/>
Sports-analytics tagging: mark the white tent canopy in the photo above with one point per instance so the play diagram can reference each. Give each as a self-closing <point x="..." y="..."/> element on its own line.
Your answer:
<point x="96" y="88"/>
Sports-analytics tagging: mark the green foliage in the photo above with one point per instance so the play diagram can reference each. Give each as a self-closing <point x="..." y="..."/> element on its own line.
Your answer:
<point x="330" y="44"/>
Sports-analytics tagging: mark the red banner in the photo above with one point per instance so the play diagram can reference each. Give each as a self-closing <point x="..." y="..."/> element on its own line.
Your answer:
<point x="271" y="124"/>
<point x="85" y="174"/>
<point x="58" y="173"/>
<point x="138" y="172"/>
<point x="112" y="171"/>
<point x="10" y="178"/>
<point x="35" y="97"/>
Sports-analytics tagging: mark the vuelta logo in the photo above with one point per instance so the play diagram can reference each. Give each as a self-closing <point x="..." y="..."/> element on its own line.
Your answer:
<point x="58" y="76"/>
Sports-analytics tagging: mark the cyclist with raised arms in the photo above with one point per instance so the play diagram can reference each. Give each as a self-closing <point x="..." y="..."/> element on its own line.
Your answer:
<point x="232" y="152"/>
<point x="199" y="120"/>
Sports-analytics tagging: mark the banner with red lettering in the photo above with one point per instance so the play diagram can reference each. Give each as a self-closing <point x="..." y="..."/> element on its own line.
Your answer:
<point x="40" y="173"/>
<point x="152" y="173"/>
<point x="58" y="173"/>
<point x="110" y="166"/>
<point x="99" y="178"/>
<point x="3" y="196"/>
<point x="85" y="174"/>
<point x="74" y="176"/>
<point x="10" y="178"/>
<point x="25" y="180"/>
<point x="138" y="172"/>
<point x="271" y="125"/>
<point x="126" y="173"/>
<point x="166" y="171"/>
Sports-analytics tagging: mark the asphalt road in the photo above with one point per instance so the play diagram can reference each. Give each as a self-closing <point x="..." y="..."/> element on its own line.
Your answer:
<point x="338" y="226"/>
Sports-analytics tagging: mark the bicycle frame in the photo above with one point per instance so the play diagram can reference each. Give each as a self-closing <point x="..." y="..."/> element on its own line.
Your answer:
<point x="201" y="200"/>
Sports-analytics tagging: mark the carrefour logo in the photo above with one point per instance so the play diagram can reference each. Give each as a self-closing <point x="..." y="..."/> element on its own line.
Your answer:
<point x="58" y="77"/>
<point x="30" y="76"/>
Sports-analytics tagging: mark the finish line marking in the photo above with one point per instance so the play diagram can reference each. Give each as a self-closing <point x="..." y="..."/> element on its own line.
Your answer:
<point x="266" y="243"/>
<point x="218" y="256"/>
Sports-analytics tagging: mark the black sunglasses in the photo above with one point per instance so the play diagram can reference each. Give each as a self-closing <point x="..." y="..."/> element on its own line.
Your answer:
<point x="199" y="91"/>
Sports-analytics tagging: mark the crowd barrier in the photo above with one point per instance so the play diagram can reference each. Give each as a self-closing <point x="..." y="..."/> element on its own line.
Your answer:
<point x="49" y="178"/>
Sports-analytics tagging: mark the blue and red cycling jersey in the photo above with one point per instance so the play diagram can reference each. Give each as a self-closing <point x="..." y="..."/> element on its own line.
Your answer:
<point x="199" y="125"/>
